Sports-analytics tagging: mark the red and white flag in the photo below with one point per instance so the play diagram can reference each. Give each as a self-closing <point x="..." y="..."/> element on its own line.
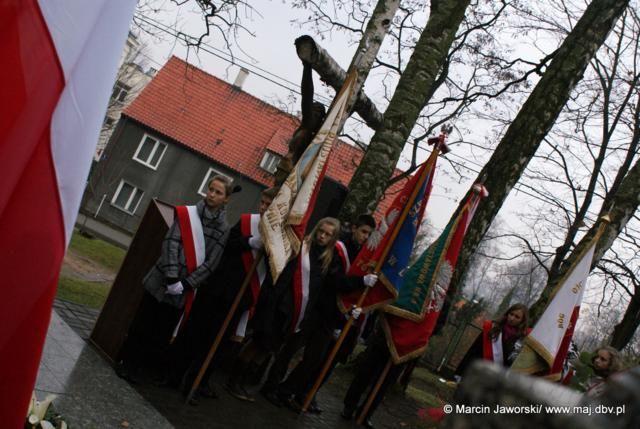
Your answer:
<point x="59" y="62"/>
<point x="546" y="347"/>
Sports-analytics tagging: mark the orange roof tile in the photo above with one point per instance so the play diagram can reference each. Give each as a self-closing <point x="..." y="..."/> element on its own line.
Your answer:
<point x="228" y="125"/>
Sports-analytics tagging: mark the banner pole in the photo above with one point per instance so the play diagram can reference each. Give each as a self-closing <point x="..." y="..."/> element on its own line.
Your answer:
<point x="225" y="325"/>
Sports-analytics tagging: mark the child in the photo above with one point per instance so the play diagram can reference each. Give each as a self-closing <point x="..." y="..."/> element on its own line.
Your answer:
<point x="605" y="361"/>
<point x="498" y="339"/>
<point x="171" y="283"/>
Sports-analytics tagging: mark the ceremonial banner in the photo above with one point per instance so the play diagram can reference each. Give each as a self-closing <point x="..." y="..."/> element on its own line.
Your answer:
<point x="283" y="224"/>
<point x="545" y="348"/>
<point x="409" y="322"/>
<point x="60" y="60"/>
<point x="389" y="247"/>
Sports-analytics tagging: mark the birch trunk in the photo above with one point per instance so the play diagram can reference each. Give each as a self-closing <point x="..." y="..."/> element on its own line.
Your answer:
<point x="333" y="75"/>
<point x="536" y="118"/>
<point x="411" y="95"/>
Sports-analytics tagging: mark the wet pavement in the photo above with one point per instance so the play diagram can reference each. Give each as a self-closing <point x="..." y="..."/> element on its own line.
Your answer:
<point x="89" y="395"/>
<point x="93" y="384"/>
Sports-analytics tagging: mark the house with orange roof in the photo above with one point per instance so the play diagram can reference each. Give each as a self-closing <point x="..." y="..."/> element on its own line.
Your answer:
<point x="183" y="128"/>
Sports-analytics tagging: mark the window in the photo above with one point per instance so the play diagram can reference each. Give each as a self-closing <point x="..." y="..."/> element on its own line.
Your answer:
<point x="127" y="197"/>
<point x="203" y="186"/>
<point x="120" y="92"/>
<point x="150" y="151"/>
<point x="270" y="161"/>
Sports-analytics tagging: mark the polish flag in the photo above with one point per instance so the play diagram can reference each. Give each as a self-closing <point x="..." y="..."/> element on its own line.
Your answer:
<point x="59" y="62"/>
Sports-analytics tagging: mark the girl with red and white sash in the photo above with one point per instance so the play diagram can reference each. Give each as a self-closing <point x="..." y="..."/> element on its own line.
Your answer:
<point x="283" y="307"/>
<point x="498" y="338"/>
<point x="495" y="343"/>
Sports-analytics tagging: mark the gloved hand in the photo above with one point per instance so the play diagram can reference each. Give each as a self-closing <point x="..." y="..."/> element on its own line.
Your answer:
<point x="175" y="289"/>
<point x="355" y="312"/>
<point x="370" y="280"/>
<point x="255" y="243"/>
<point x="336" y="333"/>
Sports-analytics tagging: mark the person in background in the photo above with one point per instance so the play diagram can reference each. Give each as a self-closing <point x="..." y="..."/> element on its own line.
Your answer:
<point x="498" y="339"/>
<point x="605" y="362"/>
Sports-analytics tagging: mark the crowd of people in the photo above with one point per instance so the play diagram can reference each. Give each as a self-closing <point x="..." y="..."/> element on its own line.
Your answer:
<point x="187" y="299"/>
<point x="185" y="303"/>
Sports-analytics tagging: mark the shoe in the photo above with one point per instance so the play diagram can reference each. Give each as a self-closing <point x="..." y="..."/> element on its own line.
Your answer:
<point x="367" y="424"/>
<point x="167" y="381"/>
<point x="347" y="413"/>
<point x="207" y="392"/>
<point x="238" y="392"/>
<point x="125" y="373"/>
<point x="314" y="408"/>
<point x="294" y="405"/>
<point x="272" y="396"/>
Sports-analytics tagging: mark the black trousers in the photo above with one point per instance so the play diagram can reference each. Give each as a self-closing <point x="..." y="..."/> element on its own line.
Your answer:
<point x="283" y="358"/>
<point x="368" y="372"/>
<point x="189" y="351"/>
<point x="303" y="376"/>
<point x="147" y="341"/>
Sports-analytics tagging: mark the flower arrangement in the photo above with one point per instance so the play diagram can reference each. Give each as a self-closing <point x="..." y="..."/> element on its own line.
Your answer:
<point x="42" y="415"/>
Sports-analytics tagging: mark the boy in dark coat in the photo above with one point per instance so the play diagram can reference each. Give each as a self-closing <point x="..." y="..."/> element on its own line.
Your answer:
<point x="216" y="297"/>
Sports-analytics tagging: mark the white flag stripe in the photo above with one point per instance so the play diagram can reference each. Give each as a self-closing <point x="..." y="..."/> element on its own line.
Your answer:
<point x="88" y="37"/>
<point x="306" y="270"/>
<point x="261" y="268"/>
<point x="290" y="205"/>
<point x="547" y="334"/>
<point x="197" y="234"/>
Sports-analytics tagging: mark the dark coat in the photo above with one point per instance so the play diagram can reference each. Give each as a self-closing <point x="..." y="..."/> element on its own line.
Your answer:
<point x="273" y="318"/>
<point x="172" y="267"/>
<point x="326" y="315"/>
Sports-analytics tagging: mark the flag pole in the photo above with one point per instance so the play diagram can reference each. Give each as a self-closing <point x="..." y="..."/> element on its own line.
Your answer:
<point x="374" y="393"/>
<point x="225" y="325"/>
<point x="363" y="295"/>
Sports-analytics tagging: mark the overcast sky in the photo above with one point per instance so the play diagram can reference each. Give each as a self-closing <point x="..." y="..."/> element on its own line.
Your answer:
<point x="271" y="49"/>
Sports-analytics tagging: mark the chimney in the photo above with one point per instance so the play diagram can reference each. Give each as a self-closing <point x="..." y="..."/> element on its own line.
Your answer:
<point x="242" y="76"/>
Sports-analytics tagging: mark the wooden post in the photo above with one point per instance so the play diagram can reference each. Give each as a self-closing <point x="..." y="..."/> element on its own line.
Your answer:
<point x="225" y="325"/>
<point x="374" y="392"/>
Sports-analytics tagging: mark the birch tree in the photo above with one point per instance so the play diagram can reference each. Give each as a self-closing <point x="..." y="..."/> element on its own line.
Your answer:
<point x="536" y="117"/>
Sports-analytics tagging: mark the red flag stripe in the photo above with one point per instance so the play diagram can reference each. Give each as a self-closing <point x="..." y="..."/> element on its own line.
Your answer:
<point x="45" y="117"/>
<point x="30" y="212"/>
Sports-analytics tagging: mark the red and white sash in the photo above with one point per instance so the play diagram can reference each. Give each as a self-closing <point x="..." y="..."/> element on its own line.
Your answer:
<point x="194" y="252"/>
<point x="301" y="278"/>
<point x="249" y="228"/>
<point x="342" y="252"/>
<point x="301" y="281"/>
<point x="491" y="349"/>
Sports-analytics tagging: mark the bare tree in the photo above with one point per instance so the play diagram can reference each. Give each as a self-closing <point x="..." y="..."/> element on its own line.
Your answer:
<point x="534" y="120"/>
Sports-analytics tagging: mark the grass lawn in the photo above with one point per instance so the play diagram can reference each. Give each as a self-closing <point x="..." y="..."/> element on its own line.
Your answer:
<point x="427" y="388"/>
<point x="91" y="294"/>
<point x="100" y="252"/>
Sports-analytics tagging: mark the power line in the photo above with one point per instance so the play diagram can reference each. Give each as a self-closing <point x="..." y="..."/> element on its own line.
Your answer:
<point x="218" y="53"/>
